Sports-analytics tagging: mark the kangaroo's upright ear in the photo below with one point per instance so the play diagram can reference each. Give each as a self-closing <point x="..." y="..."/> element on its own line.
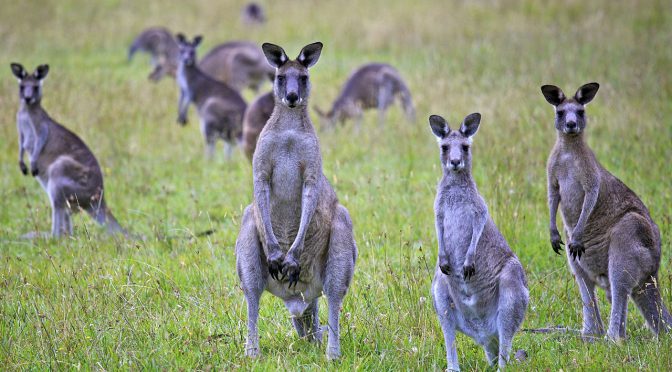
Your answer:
<point x="586" y="93"/>
<point x="181" y="39"/>
<point x="310" y="54"/>
<point x="274" y="54"/>
<point x="197" y="41"/>
<point x="470" y="124"/>
<point x="18" y="71"/>
<point x="553" y="94"/>
<point x="41" y="72"/>
<point x="439" y="126"/>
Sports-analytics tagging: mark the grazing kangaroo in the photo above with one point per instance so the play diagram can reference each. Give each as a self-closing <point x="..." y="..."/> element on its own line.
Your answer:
<point x="253" y="14"/>
<point x="373" y="85"/>
<point x="160" y="44"/>
<point x="61" y="162"/>
<point x="256" y="116"/>
<point x="295" y="240"/>
<point x="613" y="242"/>
<point x="220" y="108"/>
<point x="240" y="64"/>
<point x="479" y="285"/>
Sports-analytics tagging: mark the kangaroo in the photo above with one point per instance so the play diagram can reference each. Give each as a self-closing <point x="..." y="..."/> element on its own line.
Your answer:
<point x="61" y="162"/>
<point x="255" y="119"/>
<point x="253" y="14"/>
<point x="613" y="242"/>
<point x="240" y="64"/>
<point x="220" y="108"/>
<point x="479" y="285"/>
<point x="373" y="85"/>
<point x="296" y="240"/>
<point x="160" y="44"/>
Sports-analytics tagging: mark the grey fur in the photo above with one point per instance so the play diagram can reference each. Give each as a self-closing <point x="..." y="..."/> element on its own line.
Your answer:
<point x="219" y="107"/>
<point x="373" y="85"/>
<point x="479" y="285"/>
<point x="296" y="240"/>
<point x="240" y="64"/>
<point x="256" y="116"/>
<point x="61" y="162"/>
<point x="613" y="242"/>
<point x="160" y="44"/>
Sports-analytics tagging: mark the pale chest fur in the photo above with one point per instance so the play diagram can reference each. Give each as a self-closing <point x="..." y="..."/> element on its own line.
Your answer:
<point x="25" y="128"/>
<point x="460" y="206"/>
<point x="568" y="171"/>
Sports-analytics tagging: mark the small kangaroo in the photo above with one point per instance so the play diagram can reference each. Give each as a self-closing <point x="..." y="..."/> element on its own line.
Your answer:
<point x="613" y="242"/>
<point x="240" y="64"/>
<point x="61" y="162"/>
<point x="220" y="108"/>
<point x="161" y="45"/>
<point x="253" y="14"/>
<point x="373" y="85"/>
<point x="296" y="240"/>
<point x="256" y="116"/>
<point x="479" y="285"/>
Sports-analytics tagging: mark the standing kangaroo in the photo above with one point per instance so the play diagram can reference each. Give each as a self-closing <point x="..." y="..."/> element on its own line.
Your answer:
<point x="220" y="108"/>
<point x="479" y="285"/>
<point x="613" y="242"/>
<point x="295" y="240"/>
<point x="61" y="162"/>
<point x="256" y="116"/>
<point x="161" y="45"/>
<point x="373" y="85"/>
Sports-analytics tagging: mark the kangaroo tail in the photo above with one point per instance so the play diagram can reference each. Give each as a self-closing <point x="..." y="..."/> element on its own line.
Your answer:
<point x="650" y="303"/>
<point x="406" y="101"/>
<point x="104" y="217"/>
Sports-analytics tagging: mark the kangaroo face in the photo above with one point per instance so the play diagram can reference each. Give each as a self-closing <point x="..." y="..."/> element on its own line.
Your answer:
<point x="455" y="144"/>
<point x="30" y="85"/>
<point x="188" y="49"/>
<point x="570" y="116"/>
<point x="291" y="86"/>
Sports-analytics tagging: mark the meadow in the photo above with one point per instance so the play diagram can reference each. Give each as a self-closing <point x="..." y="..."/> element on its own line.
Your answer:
<point x="172" y="301"/>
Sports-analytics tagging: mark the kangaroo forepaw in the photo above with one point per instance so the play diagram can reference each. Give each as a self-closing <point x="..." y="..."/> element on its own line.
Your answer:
<point x="291" y="270"/>
<point x="23" y="167"/>
<point x="469" y="270"/>
<point x="445" y="268"/>
<point x="275" y="264"/>
<point x="557" y="244"/>
<point x="576" y="249"/>
<point x="33" y="170"/>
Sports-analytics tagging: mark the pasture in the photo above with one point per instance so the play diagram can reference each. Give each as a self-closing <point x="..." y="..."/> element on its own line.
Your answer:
<point x="173" y="300"/>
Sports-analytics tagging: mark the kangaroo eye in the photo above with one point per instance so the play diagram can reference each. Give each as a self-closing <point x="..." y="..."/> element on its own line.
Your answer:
<point x="281" y="78"/>
<point x="444" y="148"/>
<point x="580" y="113"/>
<point x="303" y="79"/>
<point x="560" y="113"/>
<point x="465" y="148"/>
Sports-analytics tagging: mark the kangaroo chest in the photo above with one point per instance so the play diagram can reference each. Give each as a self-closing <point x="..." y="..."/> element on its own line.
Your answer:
<point x="568" y="174"/>
<point x="25" y="128"/>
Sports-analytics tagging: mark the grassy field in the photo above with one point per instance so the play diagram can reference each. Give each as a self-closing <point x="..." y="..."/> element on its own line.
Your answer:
<point x="173" y="301"/>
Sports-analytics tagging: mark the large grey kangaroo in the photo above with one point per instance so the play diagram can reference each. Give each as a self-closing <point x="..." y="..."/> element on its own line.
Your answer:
<point x="220" y="108"/>
<point x="160" y="44"/>
<point x="295" y="240"/>
<point x="61" y="162"/>
<point x="374" y="85"/>
<point x="256" y="116"/>
<point x="479" y="285"/>
<point x="613" y="242"/>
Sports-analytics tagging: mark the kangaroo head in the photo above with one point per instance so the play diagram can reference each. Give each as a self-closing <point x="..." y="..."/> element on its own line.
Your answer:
<point x="455" y="144"/>
<point x="570" y="116"/>
<point x="291" y="86"/>
<point x="188" y="49"/>
<point x="30" y="85"/>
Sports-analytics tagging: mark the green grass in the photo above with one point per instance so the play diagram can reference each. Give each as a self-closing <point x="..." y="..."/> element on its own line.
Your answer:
<point x="172" y="301"/>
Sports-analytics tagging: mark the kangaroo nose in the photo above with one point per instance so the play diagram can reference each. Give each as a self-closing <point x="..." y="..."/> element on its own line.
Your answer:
<point x="571" y="124"/>
<point x="455" y="163"/>
<point x="292" y="98"/>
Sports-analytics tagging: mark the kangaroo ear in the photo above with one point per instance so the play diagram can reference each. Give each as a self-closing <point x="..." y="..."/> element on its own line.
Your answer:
<point x="180" y="38"/>
<point x="470" y="124"/>
<point x="197" y="41"/>
<point x="18" y="71"/>
<point x="586" y="93"/>
<point x="41" y="72"/>
<point x="439" y="126"/>
<point x="310" y="54"/>
<point x="553" y="94"/>
<point x="274" y="54"/>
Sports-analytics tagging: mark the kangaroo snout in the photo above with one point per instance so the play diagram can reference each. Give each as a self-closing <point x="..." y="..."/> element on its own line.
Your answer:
<point x="456" y="164"/>
<point x="292" y="98"/>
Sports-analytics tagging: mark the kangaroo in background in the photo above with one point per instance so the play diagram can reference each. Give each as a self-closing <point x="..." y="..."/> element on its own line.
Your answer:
<point x="256" y="116"/>
<point x="479" y="285"/>
<point x="164" y="51"/>
<point x="253" y="14"/>
<point x="240" y="64"/>
<point x="296" y="240"/>
<point x="374" y="85"/>
<point x="220" y="108"/>
<point x="613" y="242"/>
<point x="61" y="162"/>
